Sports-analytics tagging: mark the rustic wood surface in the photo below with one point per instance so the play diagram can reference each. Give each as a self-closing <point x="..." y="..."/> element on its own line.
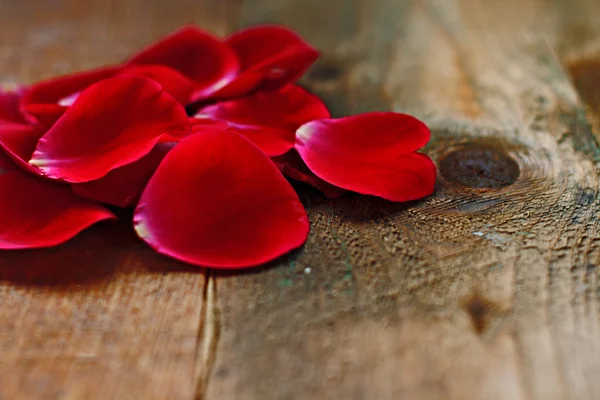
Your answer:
<point x="487" y="290"/>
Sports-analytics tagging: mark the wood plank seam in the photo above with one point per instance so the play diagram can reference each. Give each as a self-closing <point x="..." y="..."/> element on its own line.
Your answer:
<point x="208" y="336"/>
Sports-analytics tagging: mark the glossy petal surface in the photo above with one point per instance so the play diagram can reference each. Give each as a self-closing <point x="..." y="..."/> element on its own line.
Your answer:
<point x="176" y="84"/>
<point x="113" y="123"/>
<point x="271" y="118"/>
<point x="270" y="57"/>
<point x="122" y="187"/>
<point x="202" y="124"/>
<point x="371" y="154"/>
<point x="216" y="200"/>
<point x="42" y="99"/>
<point x="196" y="54"/>
<point x="36" y="213"/>
<point x="172" y="82"/>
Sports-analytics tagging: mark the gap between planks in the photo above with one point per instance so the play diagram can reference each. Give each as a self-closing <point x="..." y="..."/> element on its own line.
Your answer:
<point x="208" y="336"/>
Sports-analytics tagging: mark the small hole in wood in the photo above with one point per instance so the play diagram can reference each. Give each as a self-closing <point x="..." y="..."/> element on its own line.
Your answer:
<point x="480" y="167"/>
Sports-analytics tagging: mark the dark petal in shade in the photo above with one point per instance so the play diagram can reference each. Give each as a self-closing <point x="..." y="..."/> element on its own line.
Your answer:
<point x="371" y="154"/>
<point x="41" y="100"/>
<point x="36" y="213"/>
<point x="271" y="118"/>
<point x="18" y="142"/>
<point x="217" y="201"/>
<point x="122" y="187"/>
<point x="10" y="109"/>
<point x="6" y="165"/>
<point x="113" y="123"/>
<point x="270" y="57"/>
<point x="292" y="166"/>
<point x="196" y="54"/>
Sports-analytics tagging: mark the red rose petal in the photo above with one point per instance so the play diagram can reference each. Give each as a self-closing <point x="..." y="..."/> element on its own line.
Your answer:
<point x="10" y="106"/>
<point x="177" y="85"/>
<point x="46" y="114"/>
<point x="113" y="123"/>
<point x="270" y="57"/>
<point x="41" y="100"/>
<point x="37" y="213"/>
<point x="292" y="166"/>
<point x="18" y="142"/>
<point x="371" y="153"/>
<point x="196" y="54"/>
<point x="272" y="142"/>
<point x="6" y="165"/>
<point x="122" y="187"/>
<point x="174" y="83"/>
<point x="243" y="84"/>
<point x="217" y="201"/>
<point x="69" y="100"/>
<point x="270" y="118"/>
<point x="287" y="109"/>
<point x="202" y="124"/>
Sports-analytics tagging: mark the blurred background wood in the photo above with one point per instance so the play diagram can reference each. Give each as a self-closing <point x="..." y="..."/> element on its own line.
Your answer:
<point x="486" y="290"/>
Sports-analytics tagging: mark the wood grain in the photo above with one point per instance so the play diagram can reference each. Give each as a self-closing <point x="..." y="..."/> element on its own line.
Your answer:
<point x="486" y="290"/>
<point x="474" y="293"/>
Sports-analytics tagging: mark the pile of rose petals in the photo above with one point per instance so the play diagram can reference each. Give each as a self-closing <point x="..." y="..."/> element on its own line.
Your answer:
<point x="198" y="134"/>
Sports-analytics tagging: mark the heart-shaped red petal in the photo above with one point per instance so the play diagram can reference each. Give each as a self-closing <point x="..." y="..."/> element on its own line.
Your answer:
<point x="113" y="123"/>
<point x="372" y="153"/>
<point x="200" y="56"/>
<point x="36" y="213"/>
<point x="271" y="118"/>
<point x="217" y="201"/>
<point x="122" y="187"/>
<point x="270" y="57"/>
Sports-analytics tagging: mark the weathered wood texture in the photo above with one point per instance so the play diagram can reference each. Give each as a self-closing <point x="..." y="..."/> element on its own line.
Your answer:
<point x="487" y="290"/>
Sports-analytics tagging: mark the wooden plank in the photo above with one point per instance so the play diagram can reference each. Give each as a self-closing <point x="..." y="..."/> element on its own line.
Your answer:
<point x="483" y="291"/>
<point x="474" y="293"/>
<point x="102" y="317"/>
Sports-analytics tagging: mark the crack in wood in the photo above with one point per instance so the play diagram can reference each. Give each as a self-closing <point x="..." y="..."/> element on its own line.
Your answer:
<point x="208" y="336"/>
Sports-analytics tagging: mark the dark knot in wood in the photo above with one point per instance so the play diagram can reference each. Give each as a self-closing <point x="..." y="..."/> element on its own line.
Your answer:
<point x="480" y="167"/>
<point x="480" y="310"/>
